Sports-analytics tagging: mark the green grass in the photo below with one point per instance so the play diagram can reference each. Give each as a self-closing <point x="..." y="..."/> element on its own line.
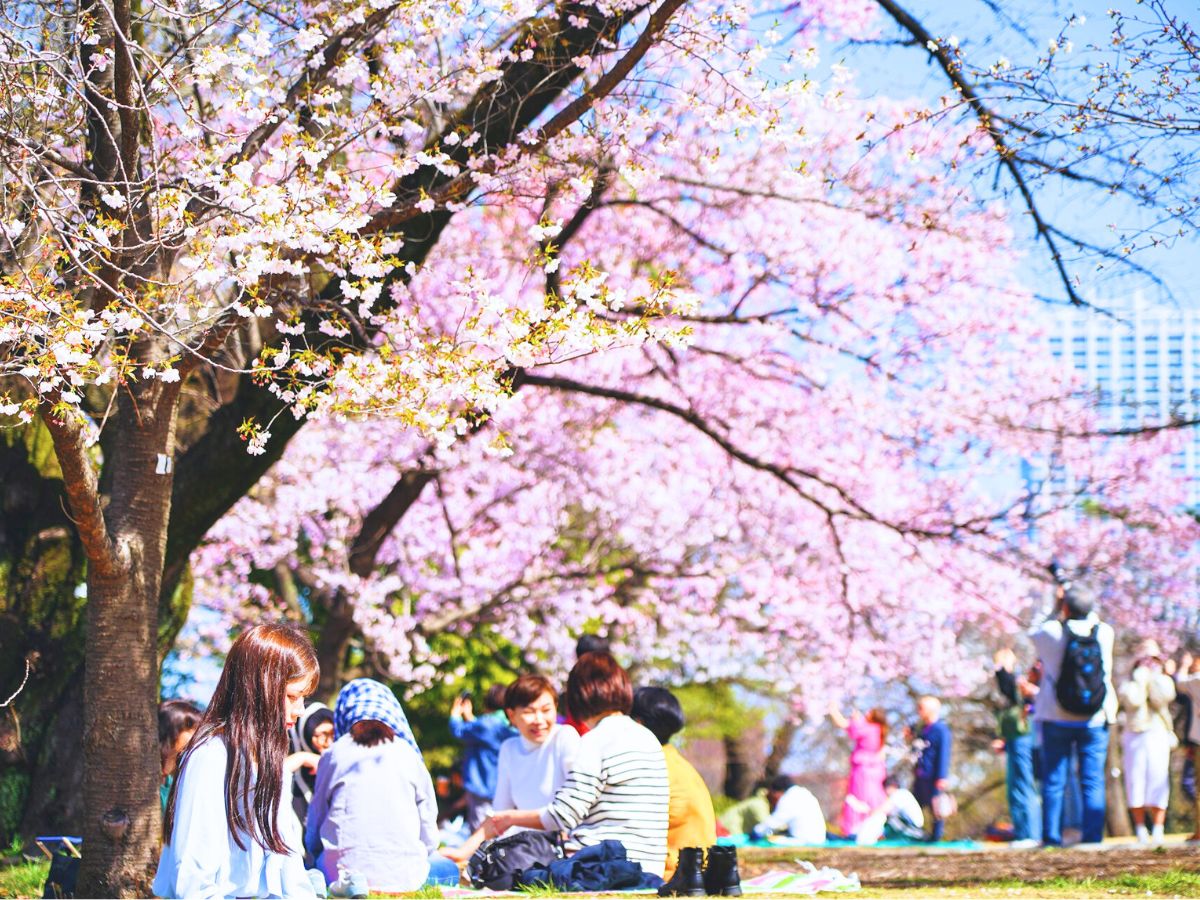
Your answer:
<point x="1168" y="883"/>
<point x="540" y="890"/>
<point x="23" y="879"/>
<point x="427" y="892"/>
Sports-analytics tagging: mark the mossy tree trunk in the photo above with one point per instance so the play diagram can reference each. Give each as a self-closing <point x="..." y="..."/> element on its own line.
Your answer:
<point x="43" y="619"/>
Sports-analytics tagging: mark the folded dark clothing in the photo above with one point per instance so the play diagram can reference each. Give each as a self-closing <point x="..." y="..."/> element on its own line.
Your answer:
<point x="601" y="867"/>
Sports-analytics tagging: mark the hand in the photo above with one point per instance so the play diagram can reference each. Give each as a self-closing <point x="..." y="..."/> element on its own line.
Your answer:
<point x="857" y="805"/>
<point x="496" y="824"/>
<point x="463" y="709"/>
<point x="455" y="854"/>
<point x="942" y="784"/>
<point x="296" y="761"/>
<point x="1027" y="688"/>
<point x="1006" y="659"/>
<point x="998" y="746"/>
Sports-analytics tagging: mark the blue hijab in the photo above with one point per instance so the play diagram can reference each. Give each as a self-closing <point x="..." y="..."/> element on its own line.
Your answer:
<point x="366" y="698"/>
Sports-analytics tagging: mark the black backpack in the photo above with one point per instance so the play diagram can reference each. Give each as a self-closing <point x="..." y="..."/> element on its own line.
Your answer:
<point x="1080" y="688"/>
<point x="497" y="863"/>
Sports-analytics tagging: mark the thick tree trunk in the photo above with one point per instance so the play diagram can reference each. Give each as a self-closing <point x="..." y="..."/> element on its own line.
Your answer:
<point x="333" y="642"/>
<point x="781" y="747"/>
<point x="1116" y="809"/>
<point x="122" y="823"/>
<point x="739" y="774"/>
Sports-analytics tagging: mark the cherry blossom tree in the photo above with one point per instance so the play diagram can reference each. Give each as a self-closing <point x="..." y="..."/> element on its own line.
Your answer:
<point x="231" y="198"/>
<point x="824" y="490"/>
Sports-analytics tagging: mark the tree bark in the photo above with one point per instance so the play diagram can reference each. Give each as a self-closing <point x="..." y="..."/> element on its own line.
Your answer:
<point x="1116" y="809"/>
<point x="125" y="544"/>
<point x="781" y="746"/>
<point x="739" y="773"/>
<point x="333" y="642"/>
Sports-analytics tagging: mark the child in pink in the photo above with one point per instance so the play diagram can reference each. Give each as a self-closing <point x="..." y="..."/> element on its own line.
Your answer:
<point x="864" y="791"/>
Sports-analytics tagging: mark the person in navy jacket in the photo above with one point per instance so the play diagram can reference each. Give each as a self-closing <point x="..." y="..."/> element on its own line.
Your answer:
<point x="933" y="764"/>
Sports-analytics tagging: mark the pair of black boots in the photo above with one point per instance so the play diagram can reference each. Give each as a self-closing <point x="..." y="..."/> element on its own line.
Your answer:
<point x="695" y="877"/>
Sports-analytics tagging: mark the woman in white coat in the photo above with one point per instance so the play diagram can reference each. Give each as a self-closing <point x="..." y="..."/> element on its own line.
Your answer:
<point x="1149" y="738"/>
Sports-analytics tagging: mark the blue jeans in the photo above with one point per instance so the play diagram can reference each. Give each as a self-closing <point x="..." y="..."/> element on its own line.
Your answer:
<point x="1091" y="745"/>
<point x="442" y="871"/>
<point x="1024" y="804"/>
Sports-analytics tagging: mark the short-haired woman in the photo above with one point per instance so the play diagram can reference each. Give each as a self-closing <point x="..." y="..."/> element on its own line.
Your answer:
<point x="534" y="764"/>
<point x="618" y="788"/>
<point x="692" y="822"/>
<point x="1149" y="737"/>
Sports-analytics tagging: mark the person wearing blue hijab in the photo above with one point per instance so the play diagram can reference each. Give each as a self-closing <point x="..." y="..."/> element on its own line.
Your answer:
<point x="373" y="814"/>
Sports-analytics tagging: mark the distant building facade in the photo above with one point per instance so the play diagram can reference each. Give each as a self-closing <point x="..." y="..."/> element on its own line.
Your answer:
<point x="1143" y="360"/>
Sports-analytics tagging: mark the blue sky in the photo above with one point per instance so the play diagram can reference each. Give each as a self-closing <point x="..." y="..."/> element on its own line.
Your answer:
<point x="901" y="71"/>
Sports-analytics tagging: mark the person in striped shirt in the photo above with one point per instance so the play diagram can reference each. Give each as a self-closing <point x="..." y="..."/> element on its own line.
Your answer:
<point x="618" y="787"/>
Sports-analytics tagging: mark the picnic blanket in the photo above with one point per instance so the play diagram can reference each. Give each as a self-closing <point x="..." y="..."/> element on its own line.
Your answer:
<point x="808" y="881"/>
<point x="742" y="840"/>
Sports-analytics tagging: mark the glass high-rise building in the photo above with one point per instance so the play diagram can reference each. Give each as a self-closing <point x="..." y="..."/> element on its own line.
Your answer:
<point x="1143" y="360"/>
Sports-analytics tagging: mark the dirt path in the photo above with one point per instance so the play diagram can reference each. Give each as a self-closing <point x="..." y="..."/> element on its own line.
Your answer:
<point x="930" y="867"/>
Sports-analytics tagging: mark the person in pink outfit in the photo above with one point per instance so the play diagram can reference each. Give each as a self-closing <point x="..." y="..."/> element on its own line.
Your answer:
<point x="864" y="791"/>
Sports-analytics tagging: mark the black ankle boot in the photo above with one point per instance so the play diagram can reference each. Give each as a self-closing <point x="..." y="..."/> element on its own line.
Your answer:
<point x="688" y="880"/>
<point x="721" y="872"/>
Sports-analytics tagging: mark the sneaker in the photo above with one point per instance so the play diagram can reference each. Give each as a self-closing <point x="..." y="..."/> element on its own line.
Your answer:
<point x="1024" y="844"/>
<point x="317" y="877"/>
<point x="350" y="884"/>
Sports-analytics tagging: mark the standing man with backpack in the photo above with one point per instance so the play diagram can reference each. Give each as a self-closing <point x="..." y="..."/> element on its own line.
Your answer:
<point x="1075" y="706"/>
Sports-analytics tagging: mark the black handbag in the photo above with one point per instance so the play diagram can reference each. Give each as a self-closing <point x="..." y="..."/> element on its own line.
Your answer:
<point x="498" y="862"/>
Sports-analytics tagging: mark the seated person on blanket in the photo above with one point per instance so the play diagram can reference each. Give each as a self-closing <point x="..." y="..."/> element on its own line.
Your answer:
<point x="795" y="813"/>
<point x="373" y="811"/>
<point x="691" y="819"/>
<point x="617" y="788"/>
<point x="533" y="765"/>
<point x="898" y="818"/>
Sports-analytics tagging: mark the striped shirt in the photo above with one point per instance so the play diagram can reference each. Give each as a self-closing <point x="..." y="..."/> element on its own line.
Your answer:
<point x="617" y="790"/>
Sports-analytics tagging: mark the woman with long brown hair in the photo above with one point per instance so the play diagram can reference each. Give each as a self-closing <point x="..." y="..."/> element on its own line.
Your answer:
<point x="248" y="845"/>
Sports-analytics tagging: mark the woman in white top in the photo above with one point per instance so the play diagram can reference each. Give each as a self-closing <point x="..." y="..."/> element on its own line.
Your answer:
<point x="228" y="830"/>
<point x="617" y="788"/>
<point x="535" y="764"/>
<point x="1149" y="736"/>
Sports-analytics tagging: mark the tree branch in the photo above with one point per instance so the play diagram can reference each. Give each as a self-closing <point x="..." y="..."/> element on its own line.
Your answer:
<point x="82" y="488"/>
<point x="1009" y="159"/>
<point x="461" y="185"/>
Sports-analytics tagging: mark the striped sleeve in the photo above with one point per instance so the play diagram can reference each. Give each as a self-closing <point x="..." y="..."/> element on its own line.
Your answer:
<point x="579" y="793"/>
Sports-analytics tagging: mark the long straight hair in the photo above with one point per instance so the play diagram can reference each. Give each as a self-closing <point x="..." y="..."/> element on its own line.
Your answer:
<point x="247" y="713"/>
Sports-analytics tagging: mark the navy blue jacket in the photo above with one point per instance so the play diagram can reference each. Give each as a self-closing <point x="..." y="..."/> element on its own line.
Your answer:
<point x="600" y="867"/>
<point x="934" y="761"/>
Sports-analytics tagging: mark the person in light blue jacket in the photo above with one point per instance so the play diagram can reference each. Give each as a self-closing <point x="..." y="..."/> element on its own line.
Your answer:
<point x="373" y="815"/>
<point x="229" y="830"/>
